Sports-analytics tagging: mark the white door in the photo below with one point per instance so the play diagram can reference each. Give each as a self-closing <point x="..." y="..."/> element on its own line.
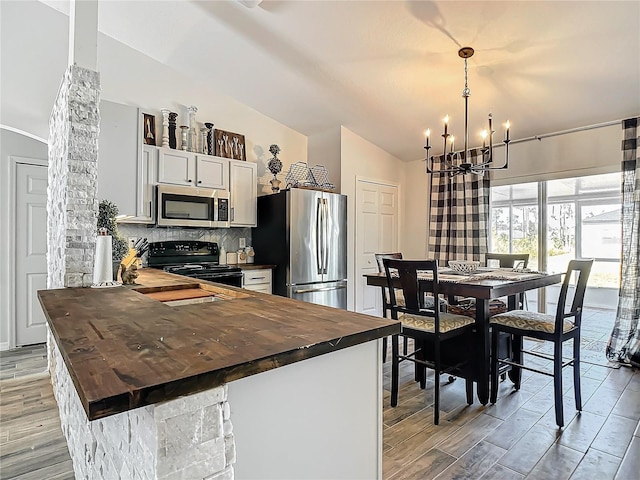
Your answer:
<point x="376" y="232"/>
<point x="31" y="252"/>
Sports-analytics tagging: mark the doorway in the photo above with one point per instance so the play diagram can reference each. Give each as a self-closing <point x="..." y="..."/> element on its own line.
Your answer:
<point x="376" y="232"/>
<point x="29" y="227"/>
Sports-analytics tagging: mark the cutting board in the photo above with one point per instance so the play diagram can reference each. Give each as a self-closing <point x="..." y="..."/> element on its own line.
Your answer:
<point x="182" y="294"/>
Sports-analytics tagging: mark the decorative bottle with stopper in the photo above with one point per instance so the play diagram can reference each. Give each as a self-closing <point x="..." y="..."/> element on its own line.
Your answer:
<point x="275" y="166"/>
<point x="222" y="259"/>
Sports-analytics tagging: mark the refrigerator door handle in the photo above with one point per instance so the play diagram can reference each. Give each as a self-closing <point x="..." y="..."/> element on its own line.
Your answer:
<point x="319" y="236"/>
<point x="323" y="289"/>
<point x="324" y="235"/>
<point x="326" y="240"/>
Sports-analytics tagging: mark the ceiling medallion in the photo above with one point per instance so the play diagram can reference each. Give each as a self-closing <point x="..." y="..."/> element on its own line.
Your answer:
<point x="456" y="163"/>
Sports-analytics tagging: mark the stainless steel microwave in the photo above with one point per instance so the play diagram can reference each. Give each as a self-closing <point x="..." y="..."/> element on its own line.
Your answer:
<point x="192" y="207"/>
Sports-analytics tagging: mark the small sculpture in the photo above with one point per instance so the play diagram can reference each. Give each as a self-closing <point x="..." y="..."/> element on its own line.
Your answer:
<point x="172" y="129"/>
<point x="130" y="274"/>
<point x="165" y="127"/>
<point x="210" y="149"/>
<point x="275" y="166"/>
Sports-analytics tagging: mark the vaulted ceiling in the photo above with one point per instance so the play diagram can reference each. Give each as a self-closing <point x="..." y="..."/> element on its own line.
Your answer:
<point x="387" y="70"/>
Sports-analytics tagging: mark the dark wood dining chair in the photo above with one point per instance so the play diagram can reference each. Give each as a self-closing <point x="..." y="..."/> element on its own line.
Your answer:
<point x="509" y="260"/>
<point x="430" y="329"/>
<point x="386" y="305"/>
<point x="556" y="328"/>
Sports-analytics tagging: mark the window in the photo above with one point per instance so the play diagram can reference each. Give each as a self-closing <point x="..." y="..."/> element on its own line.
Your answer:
<point x="514" y="220"/>
<point x="582" y="221"/>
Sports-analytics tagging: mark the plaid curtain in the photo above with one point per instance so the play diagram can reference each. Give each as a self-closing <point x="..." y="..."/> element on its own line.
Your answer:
<point x="459" y="215"/>
<point x="624" y="344"/>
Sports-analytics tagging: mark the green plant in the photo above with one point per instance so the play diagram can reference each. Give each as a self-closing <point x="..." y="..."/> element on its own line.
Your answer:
<point x="107" y="213"/>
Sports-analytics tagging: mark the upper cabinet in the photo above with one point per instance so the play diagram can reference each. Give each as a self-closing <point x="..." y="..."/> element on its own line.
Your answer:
<point x="179" y="167"/>
<point x="126" y="171"/>
<point x="243" y="186"/>
<point x="213" y="172"/>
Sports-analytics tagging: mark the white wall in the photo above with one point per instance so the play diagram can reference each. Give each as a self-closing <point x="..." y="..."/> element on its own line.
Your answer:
<point x="415" y="210"/>
<point x="361" y="158"/>
<point x="575" y="154"/>
<point x="324" y="149"/>
<point x="17" y="145"/>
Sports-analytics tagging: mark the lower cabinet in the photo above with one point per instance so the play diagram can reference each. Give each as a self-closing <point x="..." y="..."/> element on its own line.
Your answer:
<point x="258" y="280"/>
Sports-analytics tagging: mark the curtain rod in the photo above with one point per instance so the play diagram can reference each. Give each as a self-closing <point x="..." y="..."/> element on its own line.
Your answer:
<point x="564" y="132"/>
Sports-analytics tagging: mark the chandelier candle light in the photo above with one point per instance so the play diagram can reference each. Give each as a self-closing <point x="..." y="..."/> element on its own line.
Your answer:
<point x="459" y="162"/>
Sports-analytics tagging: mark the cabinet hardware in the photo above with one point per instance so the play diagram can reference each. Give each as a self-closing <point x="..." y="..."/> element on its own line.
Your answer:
<point x="232" y="214"/>
<point x="199" y="181"/>
<point x="258" y="278"/>
<point x="190" y="181"/>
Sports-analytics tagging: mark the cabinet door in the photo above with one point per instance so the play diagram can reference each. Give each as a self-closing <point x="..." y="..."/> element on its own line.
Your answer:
<point x="243" y="193"/>
<point x="147" y="173"/>
<point x="257" y="280"/>
<point x="119" y="151"/>
<point x="145" y="185"/>
<point x="176" y="167"/>
<point x="213" y="172"/>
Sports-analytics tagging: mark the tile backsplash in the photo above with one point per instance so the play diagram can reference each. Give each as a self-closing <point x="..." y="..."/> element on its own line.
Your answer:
<point x="227" y="237"/>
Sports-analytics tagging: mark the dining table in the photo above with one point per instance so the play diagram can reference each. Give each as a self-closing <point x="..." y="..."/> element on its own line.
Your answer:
<point x="483" y="285"/>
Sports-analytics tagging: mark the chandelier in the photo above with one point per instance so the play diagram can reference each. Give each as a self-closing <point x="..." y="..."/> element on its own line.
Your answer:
<point x="456" y="163"/>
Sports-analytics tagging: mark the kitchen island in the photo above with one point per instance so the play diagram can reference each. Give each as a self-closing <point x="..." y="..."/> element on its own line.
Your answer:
<point x="295" y="387"/>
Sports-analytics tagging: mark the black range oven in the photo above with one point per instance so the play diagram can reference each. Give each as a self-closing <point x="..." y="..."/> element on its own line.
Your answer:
<point x="193" y="259"/>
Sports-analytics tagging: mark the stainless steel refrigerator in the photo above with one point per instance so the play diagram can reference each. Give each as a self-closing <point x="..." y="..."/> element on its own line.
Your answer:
<point x="304" y="233"/>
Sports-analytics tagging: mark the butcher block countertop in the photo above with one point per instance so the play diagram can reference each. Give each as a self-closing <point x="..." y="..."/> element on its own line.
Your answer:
<point x="125" y="348"/>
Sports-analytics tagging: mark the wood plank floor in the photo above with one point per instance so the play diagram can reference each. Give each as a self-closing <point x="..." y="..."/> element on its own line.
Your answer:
<point x="32" y="446"/>
<point x="517" y="438"/>
<point x="514" y="439"/>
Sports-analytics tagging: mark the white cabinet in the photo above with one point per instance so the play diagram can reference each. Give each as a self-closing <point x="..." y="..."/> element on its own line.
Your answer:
<point x="126" y="170"/>
<point x="145" y="186"/>
<point x="243" y="186"/>
<point x="257" y="280"/>
<point x="179" y="167"/>
<point x="176" y="167"/>
<point x="212" y="172"/>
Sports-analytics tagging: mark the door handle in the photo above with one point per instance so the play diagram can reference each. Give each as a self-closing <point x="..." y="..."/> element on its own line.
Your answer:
<point x="319" y="237"/>
<point x="326" y="235"/>
<point x="324" y="289"/>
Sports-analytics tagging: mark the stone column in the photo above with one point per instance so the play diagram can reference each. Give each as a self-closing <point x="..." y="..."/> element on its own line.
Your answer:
<point x="72" y="205"/>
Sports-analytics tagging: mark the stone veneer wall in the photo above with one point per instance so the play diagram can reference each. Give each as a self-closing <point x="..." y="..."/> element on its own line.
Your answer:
<point x="187" y="438"/>
<point x="190" y="437"/>
<point x="72" y="205"/>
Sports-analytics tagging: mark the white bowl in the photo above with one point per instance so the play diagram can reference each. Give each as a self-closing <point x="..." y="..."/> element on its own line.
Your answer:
<point x="464" y="266"/>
